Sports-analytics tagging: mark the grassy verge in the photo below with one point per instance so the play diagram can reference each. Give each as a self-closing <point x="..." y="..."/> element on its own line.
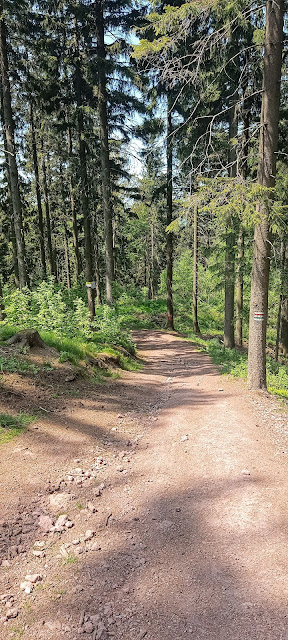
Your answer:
<point x="12" y="426"/>
<point x="235" y="363"/>
<point x="76" y="350"/>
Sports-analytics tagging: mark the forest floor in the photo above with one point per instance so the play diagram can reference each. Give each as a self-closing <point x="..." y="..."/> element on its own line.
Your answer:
<point x="173" y="481"/>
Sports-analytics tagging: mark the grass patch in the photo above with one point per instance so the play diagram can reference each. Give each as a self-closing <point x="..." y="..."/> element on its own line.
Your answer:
<point x="235" y="363"/>
<point x="71" y="559"/>
<point x="11" y="364"/>
<point x="12" y="426"/>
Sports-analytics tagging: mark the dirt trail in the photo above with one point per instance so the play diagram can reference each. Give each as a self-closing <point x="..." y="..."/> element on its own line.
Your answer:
<point x="191" y="527"/>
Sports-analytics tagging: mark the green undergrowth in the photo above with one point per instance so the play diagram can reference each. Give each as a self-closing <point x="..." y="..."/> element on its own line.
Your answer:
<point x="75" y="350"/>
<point x="12" y="426"/>
<point x="136" y="312"/>
<point x="235" y="363"/>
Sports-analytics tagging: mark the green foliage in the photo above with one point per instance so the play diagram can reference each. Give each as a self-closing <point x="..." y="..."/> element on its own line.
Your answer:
<point x="13" y="364"/>
<point x="11" y="426"/>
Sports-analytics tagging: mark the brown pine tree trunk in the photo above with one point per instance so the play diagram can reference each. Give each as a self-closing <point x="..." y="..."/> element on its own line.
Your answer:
<point x="11" y="151"/>
<point x="195" y="275"/>
<point x="241" y="238"/>
<point x="12" y="236"/>
<point x="75" y="234"/>
<point x="169" y="239"/>
<point x="2" y="306"/>
<point x="282" y="286"/>
<point x="105" y="160"/>
<point x="38" y="192"/>
<point x="284" y="305"/>
<point x="229" y="338"/>
<point x="67" y="257"/>
<point x="239" y="289"/>
<point x="268" y="146"/>
<point x="84" y="187"/>
<point x="51" y="258"/>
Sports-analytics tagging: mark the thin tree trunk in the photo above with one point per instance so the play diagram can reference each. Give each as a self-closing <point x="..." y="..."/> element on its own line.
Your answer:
<point x="38" y="192"/>
<point x="169" y="239"/>
<point x="75" y="234"/>
<point x="282" y="285"/>
<point x="105" y="160"/>
<point x="11" y="150"/>
<point x="97" y="270"/>
<point x="84" y="180"/>
<point x="67" y="257"/>
<point x="284" y="305"/>
<point x="2" y="306"/>
<point x="266" y="177"/>
<point x="51" y="259"/>
<point x="195" y="275"/>
<point x="229" y="338"/>
<point x="241" y="238"/>
<point x="240" y="288"/>
<point x="10" y="207"/>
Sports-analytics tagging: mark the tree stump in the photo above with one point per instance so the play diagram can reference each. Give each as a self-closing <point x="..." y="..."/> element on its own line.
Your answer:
<point x="27" y="338"/>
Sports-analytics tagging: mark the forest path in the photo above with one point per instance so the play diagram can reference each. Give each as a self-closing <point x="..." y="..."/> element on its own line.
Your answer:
<point x="192" y="522"/>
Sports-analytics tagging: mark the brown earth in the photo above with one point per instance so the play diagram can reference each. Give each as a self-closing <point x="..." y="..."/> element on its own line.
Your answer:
<point x="189" y="527"/>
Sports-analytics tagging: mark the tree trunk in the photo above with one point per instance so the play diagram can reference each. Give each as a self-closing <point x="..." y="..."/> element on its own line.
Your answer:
<point x="2" y="306"/>
<point x="105" y="160"/>
<point x="229" y="339"/>
<point x="10" y="207"/>
<point x="73" y="209"/>
<point x="239" y="288"/>
<point x="268" y="146"/>
<point x="241" y="237"/>
<point x="11" y="151"/>
<point x="51" y="260"/>
<point x="195" y="275"/>
<point x="38" y="192"/>
<point x="169" y="239"/>
<point x="67" y="257"/>
<point x="284" y="305"/>
<point x="84" y="188"/>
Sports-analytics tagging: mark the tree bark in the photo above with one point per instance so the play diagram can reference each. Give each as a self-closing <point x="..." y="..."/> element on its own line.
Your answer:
<point x="229" y="338"/>
<point x="240" y="288"/>
<point x="2" y="306"/>
<point x="284" y="305"/>
<point x="11" y="151"/>
<point x="67" y="257"/>
<point x="169" y="239"/>
<point x="51" y="258"/>
<point x="38" y="192"/>
<point x="195" y="275"/>
<point x="10" y="206"/>
<point x="75" y="234"/>
<point x="84" y="179"/>
<point x="268" y="146"/>
<point x="105" y="159"/>
<point x="241" y="237"/>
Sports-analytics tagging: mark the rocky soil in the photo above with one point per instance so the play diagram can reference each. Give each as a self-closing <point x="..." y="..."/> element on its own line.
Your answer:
<point x="154" y="506"/>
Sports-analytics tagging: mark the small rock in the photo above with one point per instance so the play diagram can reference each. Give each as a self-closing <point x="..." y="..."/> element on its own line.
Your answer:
<point x="221" y="389"/>
<point x="120" y="469"/>
<point x="76" y="541"/>
<point x="38" y="554"/>
<point x="88" y="627"/>
<point x="26" y="586"/>
<point x="89" y="534"/>
<point x="69" y="524"/>
<point x="184" y="438"/>
<point x="12" y="613"/>
<point x="60" y="522"/>
<point x="120" y="415"/>
<point x="90" y="507"/>
<point x="34" y="577"/>
<point x="45" y="523"/>
<point x="245" y="472"/>
<point x="5" y="563"/>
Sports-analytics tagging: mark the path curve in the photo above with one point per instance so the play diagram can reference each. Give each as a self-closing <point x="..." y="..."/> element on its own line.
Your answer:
<point x="195" y="544"/>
